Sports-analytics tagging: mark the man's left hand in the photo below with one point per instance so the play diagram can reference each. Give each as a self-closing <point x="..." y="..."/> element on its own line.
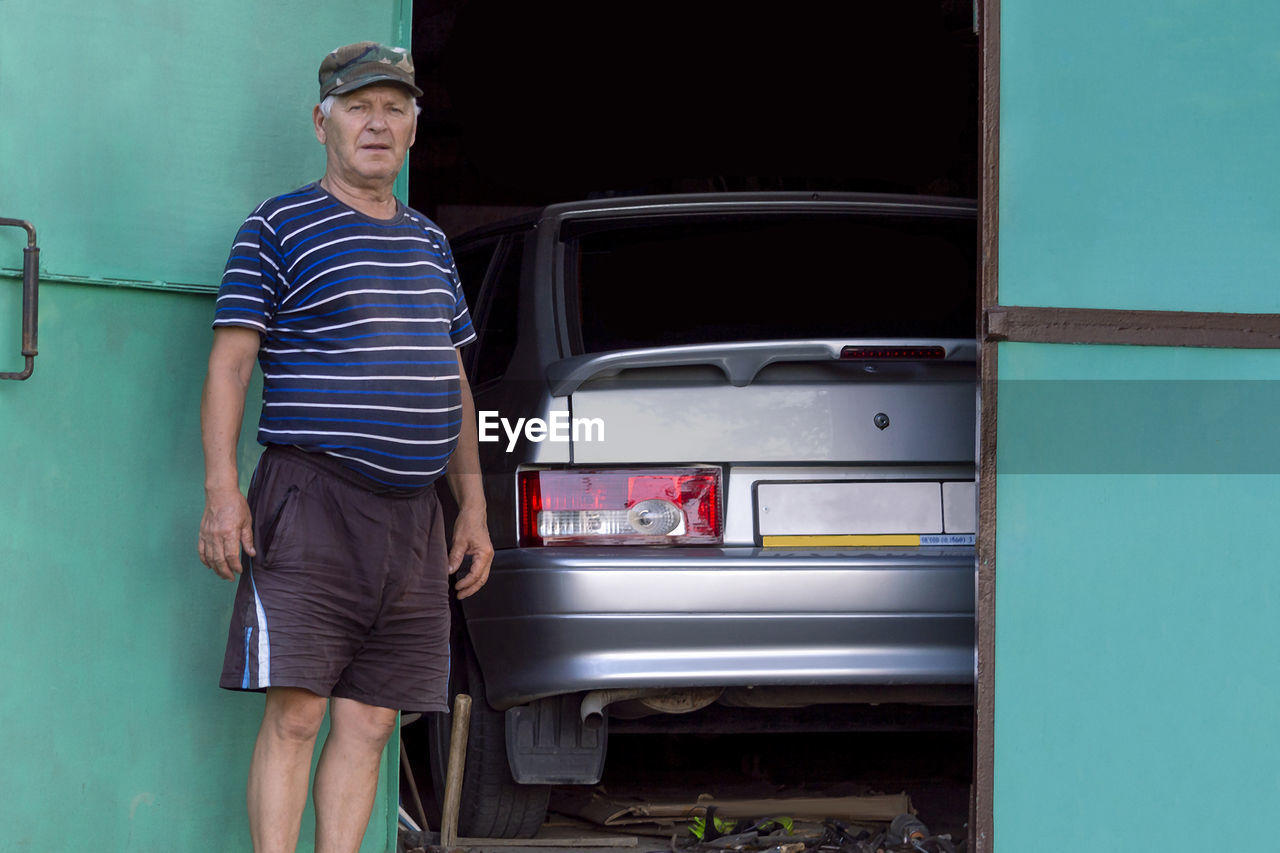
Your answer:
<point x="471" y="537"/>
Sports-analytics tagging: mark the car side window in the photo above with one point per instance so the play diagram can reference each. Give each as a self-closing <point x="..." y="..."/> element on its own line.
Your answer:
<point x="473" y="263"/>
<point x="498" y="323"/>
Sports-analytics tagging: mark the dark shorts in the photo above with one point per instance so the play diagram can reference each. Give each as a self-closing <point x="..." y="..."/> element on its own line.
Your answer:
<point x="349" y="593"/>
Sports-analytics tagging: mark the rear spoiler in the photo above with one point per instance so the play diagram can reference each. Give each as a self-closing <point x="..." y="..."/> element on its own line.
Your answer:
<point x="742" y="361"/>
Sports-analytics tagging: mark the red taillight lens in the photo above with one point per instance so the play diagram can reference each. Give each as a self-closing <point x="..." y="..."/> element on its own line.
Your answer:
<point x="892" y="353"/>
<point x="667" y="506"/>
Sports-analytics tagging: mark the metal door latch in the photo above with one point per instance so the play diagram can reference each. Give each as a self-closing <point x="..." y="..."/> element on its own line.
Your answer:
<point x="30" y="283"/>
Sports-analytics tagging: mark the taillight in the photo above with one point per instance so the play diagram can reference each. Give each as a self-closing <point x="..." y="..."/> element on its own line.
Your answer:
<point x="621" y="506"/>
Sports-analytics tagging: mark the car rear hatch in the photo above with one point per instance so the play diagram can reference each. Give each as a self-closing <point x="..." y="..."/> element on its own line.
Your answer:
<point x="824" y="361"/>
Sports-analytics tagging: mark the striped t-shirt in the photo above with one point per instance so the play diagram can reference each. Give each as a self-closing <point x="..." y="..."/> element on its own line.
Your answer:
<point x="359" y="318"/>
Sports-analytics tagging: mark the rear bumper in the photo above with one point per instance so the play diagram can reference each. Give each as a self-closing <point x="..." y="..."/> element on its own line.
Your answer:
<point x="561" y="620"/>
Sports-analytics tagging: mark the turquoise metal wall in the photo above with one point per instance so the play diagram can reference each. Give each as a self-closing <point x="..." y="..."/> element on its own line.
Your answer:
<point x="136" y="137"/>
<point x="1137" y="155"/>
<point x="1137" y="628"/>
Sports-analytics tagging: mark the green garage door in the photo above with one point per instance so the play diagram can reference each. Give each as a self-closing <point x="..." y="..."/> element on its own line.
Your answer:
<point x="1137" y="590"/>
<point x="137" y="135"/>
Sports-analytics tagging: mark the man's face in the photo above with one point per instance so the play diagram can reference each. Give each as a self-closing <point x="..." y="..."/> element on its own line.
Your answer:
<point x="367" y="134"/>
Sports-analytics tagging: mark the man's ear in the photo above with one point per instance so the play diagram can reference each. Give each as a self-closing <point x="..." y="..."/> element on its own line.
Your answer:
<point x="317" y="118"/>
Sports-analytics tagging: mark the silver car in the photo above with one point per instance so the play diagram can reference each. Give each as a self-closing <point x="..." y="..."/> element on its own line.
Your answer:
<point x="728" y="444"/>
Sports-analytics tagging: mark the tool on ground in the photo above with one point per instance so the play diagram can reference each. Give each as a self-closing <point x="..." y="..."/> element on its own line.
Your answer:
<point x="453" y="773"/>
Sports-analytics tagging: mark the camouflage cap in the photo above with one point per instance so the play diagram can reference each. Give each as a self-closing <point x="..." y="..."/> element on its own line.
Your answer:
<point x="361" y="64"/>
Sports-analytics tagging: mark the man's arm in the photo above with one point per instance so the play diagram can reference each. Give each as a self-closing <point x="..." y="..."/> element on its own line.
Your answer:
<point x="471" y="530"/>
<point x="226" y="525"/>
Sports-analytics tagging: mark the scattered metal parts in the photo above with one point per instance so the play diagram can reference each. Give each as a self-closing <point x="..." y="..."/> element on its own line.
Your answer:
<point x="904" y="834"/>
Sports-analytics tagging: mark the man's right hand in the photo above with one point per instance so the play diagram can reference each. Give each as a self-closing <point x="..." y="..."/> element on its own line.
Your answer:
<point x="225" y="528"/>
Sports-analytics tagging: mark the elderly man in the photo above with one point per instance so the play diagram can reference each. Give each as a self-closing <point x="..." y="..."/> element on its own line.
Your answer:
<point x="350" y="302"/>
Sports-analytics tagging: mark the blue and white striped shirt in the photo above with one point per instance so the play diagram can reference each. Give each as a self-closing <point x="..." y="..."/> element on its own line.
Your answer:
<point x="360" y="319"/>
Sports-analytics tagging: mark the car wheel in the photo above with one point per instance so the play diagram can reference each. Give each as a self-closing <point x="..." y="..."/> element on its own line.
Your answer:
<point x="493" y="805"/>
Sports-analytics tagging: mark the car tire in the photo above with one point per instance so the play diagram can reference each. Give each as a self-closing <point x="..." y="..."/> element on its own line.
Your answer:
<point x="493" y="804"/>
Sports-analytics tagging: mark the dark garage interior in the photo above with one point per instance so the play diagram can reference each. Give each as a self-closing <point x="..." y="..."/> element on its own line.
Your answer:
<point x="528" y="104"/>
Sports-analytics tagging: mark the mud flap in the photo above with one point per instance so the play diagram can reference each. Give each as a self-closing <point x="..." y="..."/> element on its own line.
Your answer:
<point x="548" y="744"/>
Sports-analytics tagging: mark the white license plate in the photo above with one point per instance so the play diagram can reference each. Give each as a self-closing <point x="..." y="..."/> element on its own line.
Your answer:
<point x="844" y="509"/>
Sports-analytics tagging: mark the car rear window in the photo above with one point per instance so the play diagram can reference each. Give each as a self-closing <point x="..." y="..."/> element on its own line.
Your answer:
<point x="817" y="276"/>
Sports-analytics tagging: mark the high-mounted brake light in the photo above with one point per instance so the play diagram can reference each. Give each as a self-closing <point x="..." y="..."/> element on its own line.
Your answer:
<point x="892" y="353"/>
<point x="621" y="506"/>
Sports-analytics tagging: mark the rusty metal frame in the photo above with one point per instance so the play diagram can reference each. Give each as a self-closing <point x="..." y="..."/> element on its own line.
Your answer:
<point x="1139" y="328"/>
<point x="981" y="814"/>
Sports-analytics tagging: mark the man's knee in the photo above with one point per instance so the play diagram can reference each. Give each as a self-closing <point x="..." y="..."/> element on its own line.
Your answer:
<point x="368" y="723"/>
<point x="293" y="714"/>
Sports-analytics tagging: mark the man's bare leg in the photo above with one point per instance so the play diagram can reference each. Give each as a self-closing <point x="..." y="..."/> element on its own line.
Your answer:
<point x="347" y="775"/>
<point x="281" y="767"/>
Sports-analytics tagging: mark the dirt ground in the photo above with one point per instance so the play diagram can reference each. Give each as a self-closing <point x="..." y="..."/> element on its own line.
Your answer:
<point x="934" y="768"/>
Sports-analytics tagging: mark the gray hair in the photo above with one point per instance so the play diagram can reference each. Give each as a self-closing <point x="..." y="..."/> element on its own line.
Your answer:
<point x="326" y="106"/>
